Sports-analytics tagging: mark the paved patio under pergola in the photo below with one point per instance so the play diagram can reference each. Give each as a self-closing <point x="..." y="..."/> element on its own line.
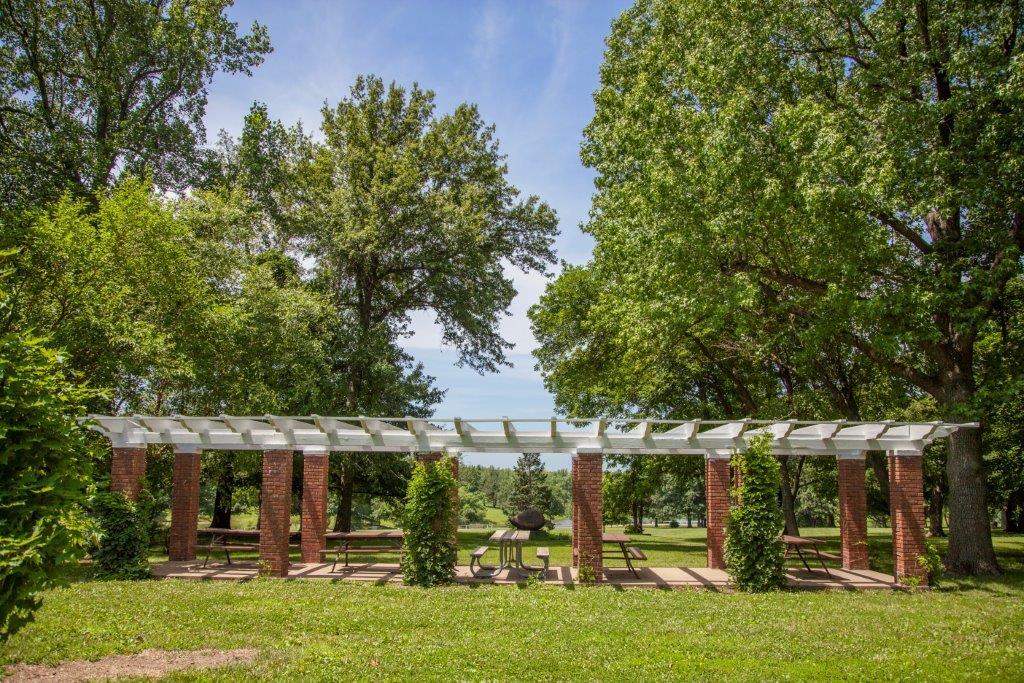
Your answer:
<point x="649" y="577"/>
<point x="587" y="439"/>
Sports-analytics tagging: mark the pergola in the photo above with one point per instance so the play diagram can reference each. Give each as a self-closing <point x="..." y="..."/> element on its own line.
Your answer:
<point x="587" y="439"/>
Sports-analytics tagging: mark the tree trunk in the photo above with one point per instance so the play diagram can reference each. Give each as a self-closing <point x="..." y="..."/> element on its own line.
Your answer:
<point x="222" y="497"/>
<point x="879" y="464"/>
<point x="788" y="498"/>
<point x="935" y="504"/>
<point x="1014" y="512"/>
<point x="343" y="513"/>
<point x="970" y="534"/>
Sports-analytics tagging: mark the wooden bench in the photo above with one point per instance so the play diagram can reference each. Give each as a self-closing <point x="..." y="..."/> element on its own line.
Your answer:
<point x="798" y="544"/>
<point x="476" y="567"/>
<point x="228" y="540"/>
<point x="346" y="547"/>
<point x="635" y="553"/>
<point x="544" y="555"/>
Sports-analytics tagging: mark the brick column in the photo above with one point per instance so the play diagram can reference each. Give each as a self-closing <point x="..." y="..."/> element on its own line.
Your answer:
<point x="314" y="505"/>
<point x="853" y="512"/>
<point x="588" y="511"/>
<point x="717" y="495"/>
<point x="184" y="506"/>
<point x="275" y="511"/>
<point x="575" y="518"/>
<point x="906" y="499"/>
<point x="127" y="471"/>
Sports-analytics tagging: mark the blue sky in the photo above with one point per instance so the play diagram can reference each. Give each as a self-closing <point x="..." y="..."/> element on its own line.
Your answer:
<point x="530" y="66"/>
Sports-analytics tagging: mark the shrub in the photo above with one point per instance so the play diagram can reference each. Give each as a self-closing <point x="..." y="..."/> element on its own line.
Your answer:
<point x="123" y="547"/>
<point x="931" y="562"/>
<point x="632" y="529"/>
<point x="673" y="524"/>
<point x="753" y="551"/>
<point x="44" y="461"/>
<point x="430" y="522"/>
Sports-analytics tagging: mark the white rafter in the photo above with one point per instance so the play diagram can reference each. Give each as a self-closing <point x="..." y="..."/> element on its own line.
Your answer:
<point x="379" y="434"/>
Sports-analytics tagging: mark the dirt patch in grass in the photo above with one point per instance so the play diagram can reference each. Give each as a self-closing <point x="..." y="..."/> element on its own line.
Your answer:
<point x="149" y="663"/>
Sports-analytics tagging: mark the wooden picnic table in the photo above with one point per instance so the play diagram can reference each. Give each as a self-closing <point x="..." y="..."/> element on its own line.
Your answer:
<point x="510" y="553"/>
<point x="628" y="553"/>
<point x="220" y="540"/>
<point x="345" y="542"/>
<point x="800" y="543"/>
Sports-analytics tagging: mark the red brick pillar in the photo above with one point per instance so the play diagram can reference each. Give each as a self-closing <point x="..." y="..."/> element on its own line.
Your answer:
<point x="127" y="471"/>
<point x="275" y="511"/>
<point x="588" y="511"/>
<point x="314" y="505"/>
<point x="717" y="482"/>
<point x="575" y="518"/>
<point x="184" y="506"/>
<point x="853" y="512"/>
<point x="906" y="499"/>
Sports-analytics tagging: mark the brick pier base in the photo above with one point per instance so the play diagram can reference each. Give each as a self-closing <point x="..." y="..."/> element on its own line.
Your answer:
<point x="314" y="505"/>
<point x="853" y="512"/>
<point x="717" y="482"/>
<point x="184" y="507"/>
<point x="588" y="511"/>
<point x="127" y="471"/>
<point x="275" y="511"/>
<point x="906" y="499"/>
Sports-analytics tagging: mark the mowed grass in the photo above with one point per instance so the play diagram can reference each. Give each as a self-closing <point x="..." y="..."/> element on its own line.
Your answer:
<point x="319" y="630"/>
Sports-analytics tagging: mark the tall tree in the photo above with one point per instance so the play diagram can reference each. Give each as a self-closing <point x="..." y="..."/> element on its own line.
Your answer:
<point x="404" y="210"/>
<point x="89" y="90"/>
<point x="855" y="165"/>
<point x="530" y="487"/>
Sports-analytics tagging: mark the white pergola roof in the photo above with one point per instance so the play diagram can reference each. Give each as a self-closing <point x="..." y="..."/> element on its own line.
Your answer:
<point x="315" y="433"/>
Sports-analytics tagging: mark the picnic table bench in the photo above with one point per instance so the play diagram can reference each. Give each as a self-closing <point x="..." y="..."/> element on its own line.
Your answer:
<point x="629" y="553"/>
<point x="510" y="554"/>
<point x="351" y="543"/>
<point x="228" y="540"/>
<point x="799" y="544"/>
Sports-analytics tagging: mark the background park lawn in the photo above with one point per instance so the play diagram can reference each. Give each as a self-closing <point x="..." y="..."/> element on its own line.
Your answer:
<point x="327" y="630"/>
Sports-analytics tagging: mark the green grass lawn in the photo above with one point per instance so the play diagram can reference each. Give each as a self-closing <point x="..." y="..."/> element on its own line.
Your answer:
<point x="325" y="630"/>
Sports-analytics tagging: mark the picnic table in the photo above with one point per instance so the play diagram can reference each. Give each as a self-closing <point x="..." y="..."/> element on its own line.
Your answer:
<point x="243" y="540"/>
<point x="798" y="544"/>
<point x="351" y="542"/>
<point x="510" y="554"/>
<point x="629" y="553"/>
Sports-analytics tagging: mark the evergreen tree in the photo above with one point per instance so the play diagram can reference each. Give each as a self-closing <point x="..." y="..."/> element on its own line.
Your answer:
<point x="530" y="487"/>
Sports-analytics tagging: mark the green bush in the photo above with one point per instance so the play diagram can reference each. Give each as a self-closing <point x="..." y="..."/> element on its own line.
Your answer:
<point x="430" y="522"/>
<point x="931" y="563"/>
<point x="673" y="524"/>
<point x="753" y="551"/>
<point x="44" y="461"/>
<point x="123" y="545"/>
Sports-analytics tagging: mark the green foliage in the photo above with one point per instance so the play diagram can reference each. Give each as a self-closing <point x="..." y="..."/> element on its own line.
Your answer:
<point x="753" y="551"/>
<point x="472" y="507"/>
<point x="123" y="548"/>
<point x="91" y="90"/>
<point x="430" y="521"/>
<point x="931" y="562"/>
<point x="530" y="487"/>
<point x="44" y="467"/>
<point x="585" y="573"/>
<point x="800" y="212"/>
